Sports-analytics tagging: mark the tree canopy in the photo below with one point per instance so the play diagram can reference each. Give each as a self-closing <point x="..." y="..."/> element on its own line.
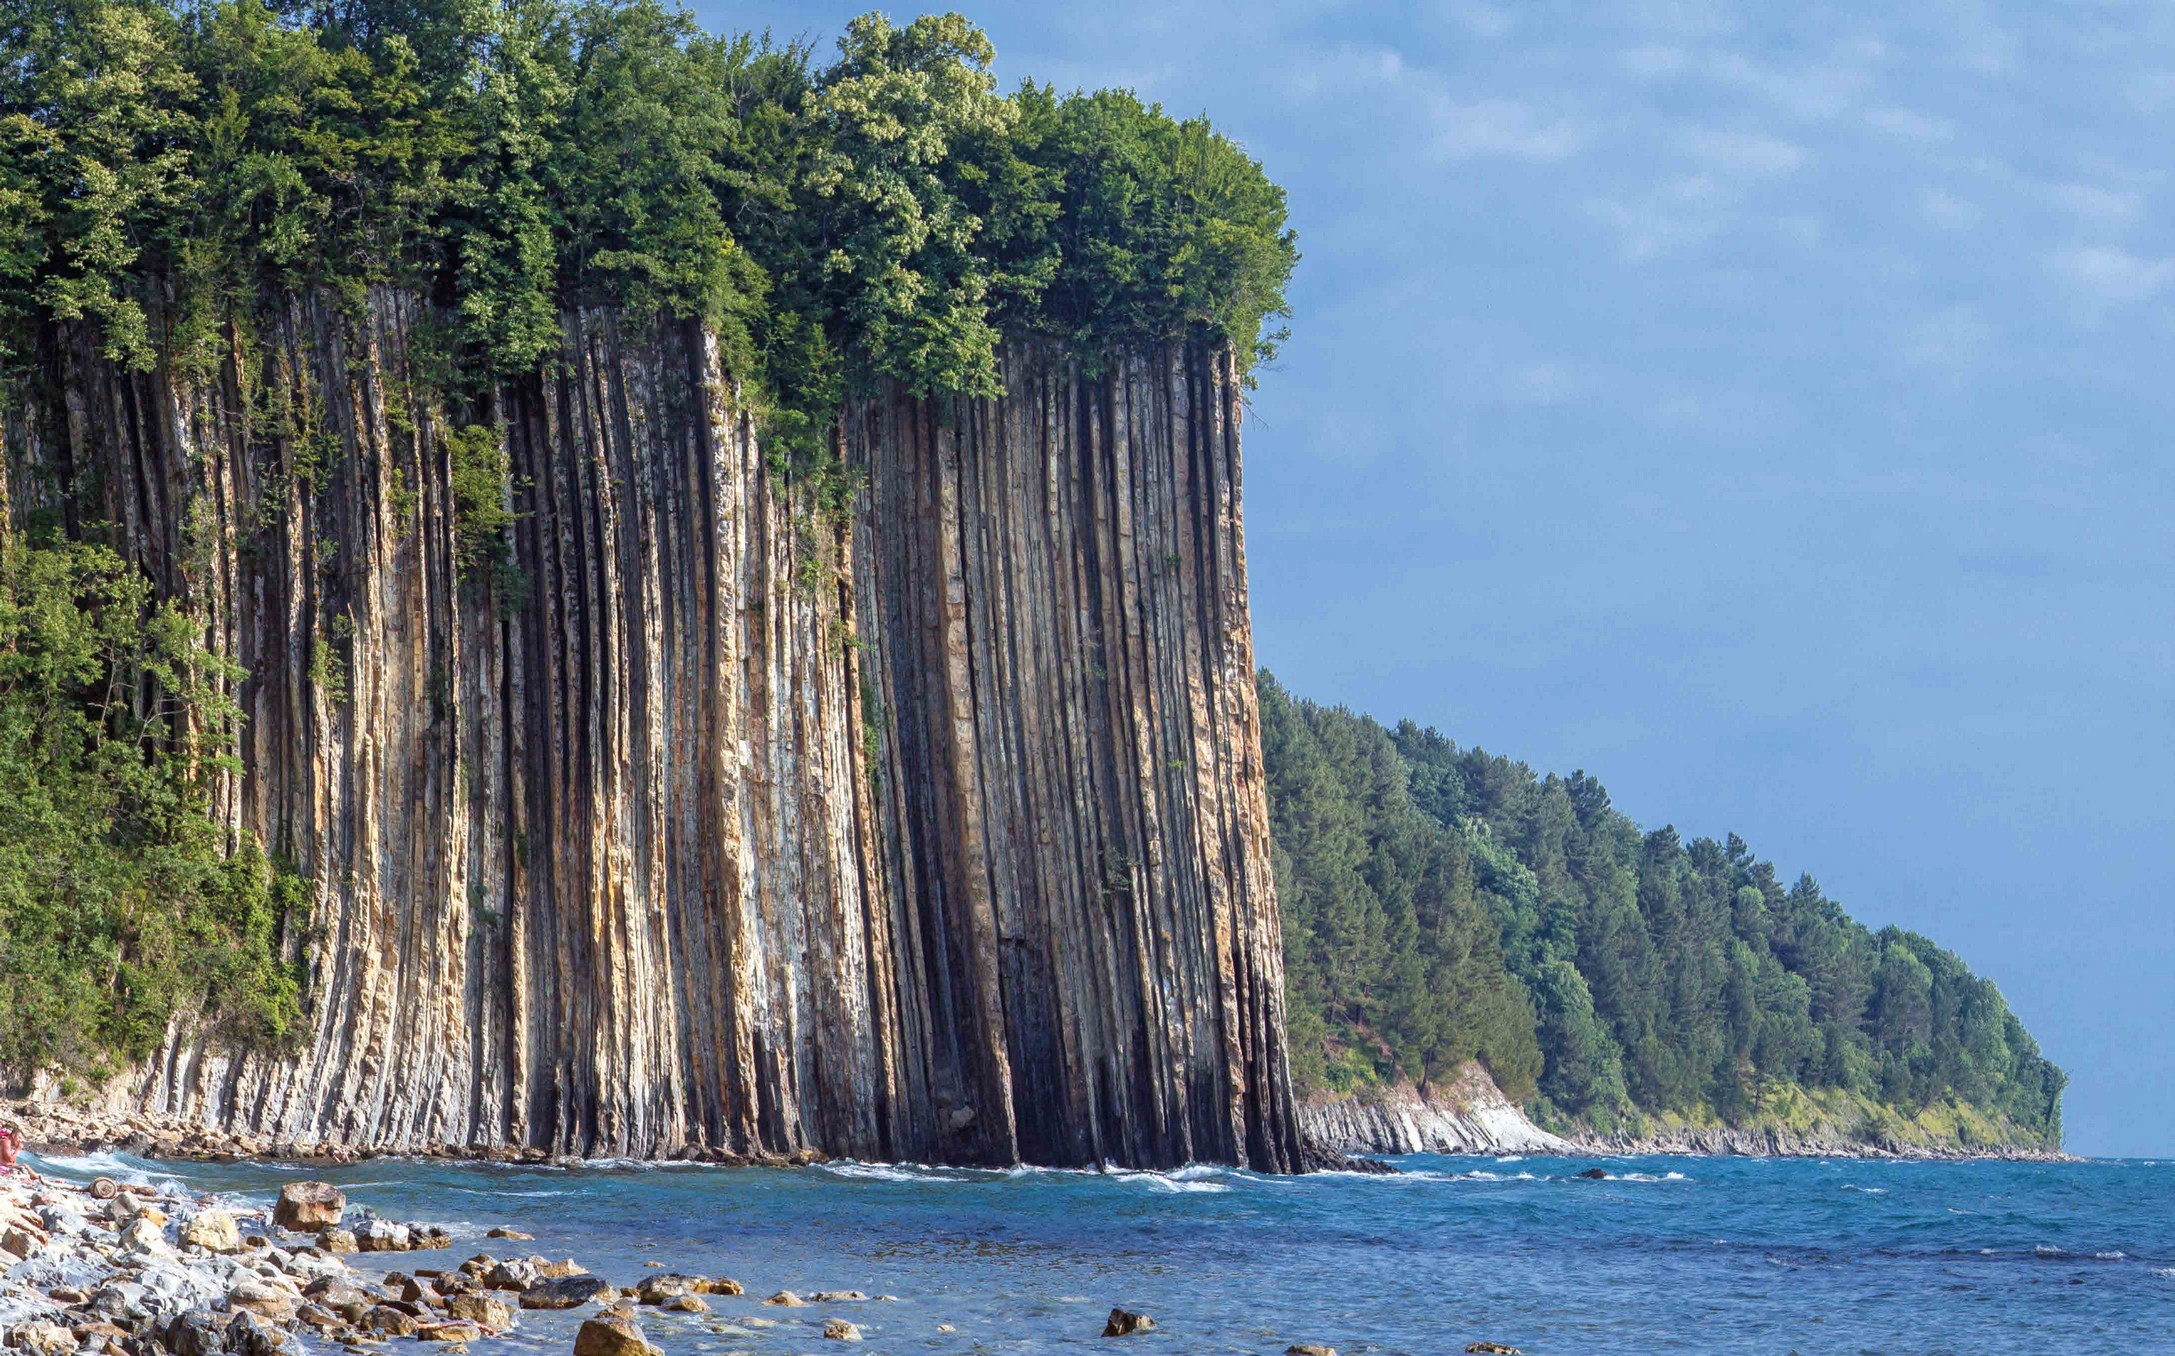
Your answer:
<point x="888" y="214"/>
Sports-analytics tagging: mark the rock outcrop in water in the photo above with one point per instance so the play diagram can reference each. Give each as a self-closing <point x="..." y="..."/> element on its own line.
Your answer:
<point x="932" y="828"/>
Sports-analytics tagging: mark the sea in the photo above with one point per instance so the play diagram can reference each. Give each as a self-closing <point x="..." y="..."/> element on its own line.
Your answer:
<point x="1662" y="1255"/>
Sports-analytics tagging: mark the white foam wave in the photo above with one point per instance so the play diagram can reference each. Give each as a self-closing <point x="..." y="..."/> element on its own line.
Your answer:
<point x="1870" y="1191"/>
<point x="875" y="1172"/>
<point x="1173" y="1181"/>
<point x="2167" y="1273"/>
<point x="2111" y="1255"/>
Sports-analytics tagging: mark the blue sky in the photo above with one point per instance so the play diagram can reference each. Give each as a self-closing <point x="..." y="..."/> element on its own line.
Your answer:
<point x="1769" y="413"/>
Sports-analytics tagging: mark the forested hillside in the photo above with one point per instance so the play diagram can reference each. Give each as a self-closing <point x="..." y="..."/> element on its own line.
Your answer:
<point x="1442" y="903"/>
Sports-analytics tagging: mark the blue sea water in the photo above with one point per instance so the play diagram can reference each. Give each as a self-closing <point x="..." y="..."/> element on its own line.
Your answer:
<point x="1668" y="1255"/>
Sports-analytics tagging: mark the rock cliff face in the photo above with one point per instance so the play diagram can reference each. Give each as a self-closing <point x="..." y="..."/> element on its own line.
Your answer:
<point x="1469" y="1115"/>
<point x="929" y="828"/>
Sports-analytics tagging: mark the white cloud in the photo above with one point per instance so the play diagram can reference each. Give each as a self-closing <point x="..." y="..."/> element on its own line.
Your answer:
<point x="1812" y="93"/>
<point x="1654" y="61"/>
<point x="1479" y="19"/>
<point x="2111" y="277"/>
<point x="1505" y="127"/>
<point x="1947" y="211"/>
<point x="1908" y="124"/>
<point x="1676" y="215"/>
<point x="2110" y="207"/>
<point x="1952" y="339"/>
<point x="1743" y="152"/>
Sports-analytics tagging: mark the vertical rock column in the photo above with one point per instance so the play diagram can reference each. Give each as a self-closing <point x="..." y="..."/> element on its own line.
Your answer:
<point x="1059" y="669"/>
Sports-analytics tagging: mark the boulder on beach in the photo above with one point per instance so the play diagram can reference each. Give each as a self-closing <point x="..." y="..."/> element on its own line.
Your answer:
<point x="306" y="1207"/>
<point x="610" y="1336"/>
<point x="515" y="1234"/>
<point x="338" y="1240"/>
<point x="786" y="1299"/>
<point x="198" y="1332"/>
<point x="484" y="1310"/>
<point x="213" y="1231"/>
<point x="686" y="1304"/>
<point x="1494" y="1348"/>
<point x="839" y="1330"/>
<point x="1125" y="1323"/>
<point x="389" y="1320"/>
<point x="1309" y="1349"/>
<point x="567" y="1292"/>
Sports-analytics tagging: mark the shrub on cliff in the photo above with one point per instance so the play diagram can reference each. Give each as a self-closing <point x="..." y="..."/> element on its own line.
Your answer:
<point x="120" y="901"/>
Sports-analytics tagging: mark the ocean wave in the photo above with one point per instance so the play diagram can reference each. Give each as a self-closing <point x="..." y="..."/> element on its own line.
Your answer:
<point x="2111" y="1255"/>
<point x="1174" y="1181"/>
<point x="1870" y="1191"/>
<point x="2048" y="1250"/>
<point x="877" y="1172"/>
<point x="1648" y="1177"/>
<point x="2166" y="1273"/>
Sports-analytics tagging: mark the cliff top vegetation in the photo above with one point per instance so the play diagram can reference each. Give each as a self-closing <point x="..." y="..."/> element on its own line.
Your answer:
<point x="889" y="213"/>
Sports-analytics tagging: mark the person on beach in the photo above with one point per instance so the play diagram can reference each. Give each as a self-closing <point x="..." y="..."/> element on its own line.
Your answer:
<point x="11" y="1144"/>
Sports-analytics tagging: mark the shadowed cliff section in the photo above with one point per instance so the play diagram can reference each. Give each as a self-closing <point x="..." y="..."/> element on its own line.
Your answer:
<point x="1053" y="592"/>
<point x="712" y="822"/>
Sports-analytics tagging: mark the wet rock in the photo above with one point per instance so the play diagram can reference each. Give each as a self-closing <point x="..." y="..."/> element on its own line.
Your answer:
<point x="564" y="1267"/>
<point x="503" y="1232"/>
<point x="1125" y="1323"/>
<point x="1309" y="1349"/>
<point x="249" y="1335"/>
<point x="719" y="1285"/>
<point x="610" y="1336"/>
<point x="429" y="1237"/>
<point x="786" y="1299"/>
<point x="1498" y="1348"/>
<point x="835" y="1296"/>
<point x="213" y="1231"/>
<point x="306" y="1207"/>
<point x="382" y="1235"/>
<point x="567" y="1292"/>
<point x="317" y="1316"/>
<point x="658" y="1289"/>
<point x="263" y="1300"/>
<point x="686" y="1304"/>
<point x="339" y="1240"/>
<point x="1594" y="1175"/>
<point x="449" y="1330"/>
<point x="839" y="1330"/>
<point x="515" y="1273"/>
<point x="198" y="1332"/>
<point x="388" y="1319"/>
<point x="483" y="1310"/>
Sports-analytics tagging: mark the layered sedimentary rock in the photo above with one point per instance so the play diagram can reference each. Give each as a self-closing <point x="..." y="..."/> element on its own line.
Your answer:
<point x="1466" y="1115"/>
<point x="708" y="819"/>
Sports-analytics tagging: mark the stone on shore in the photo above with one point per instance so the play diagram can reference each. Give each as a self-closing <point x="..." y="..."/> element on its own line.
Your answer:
<point x="611" y="1336"/>
<point x="213" y="1231"/>
<point x="1309" y="1349"/>
<point x="786" y="1299"/>
<point x="1125" y="1323"/>
<point x="338" y="1240"/>
<point x="306" y="1207"/>
<point x="567" y="1292"/>
<point x="483" y="1310"/>
<point x="839" y="1330"/>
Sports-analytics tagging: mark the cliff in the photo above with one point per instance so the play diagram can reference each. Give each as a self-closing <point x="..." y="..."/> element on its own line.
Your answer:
<point x="1466" y="1115"/>
<point x="712" y="821"/>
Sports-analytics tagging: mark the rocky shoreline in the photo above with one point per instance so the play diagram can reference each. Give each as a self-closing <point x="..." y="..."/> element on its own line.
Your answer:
<point x="1723" y="1141"/>
<point x="109" y="1268"/>
<point x="148" y="1134"/>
